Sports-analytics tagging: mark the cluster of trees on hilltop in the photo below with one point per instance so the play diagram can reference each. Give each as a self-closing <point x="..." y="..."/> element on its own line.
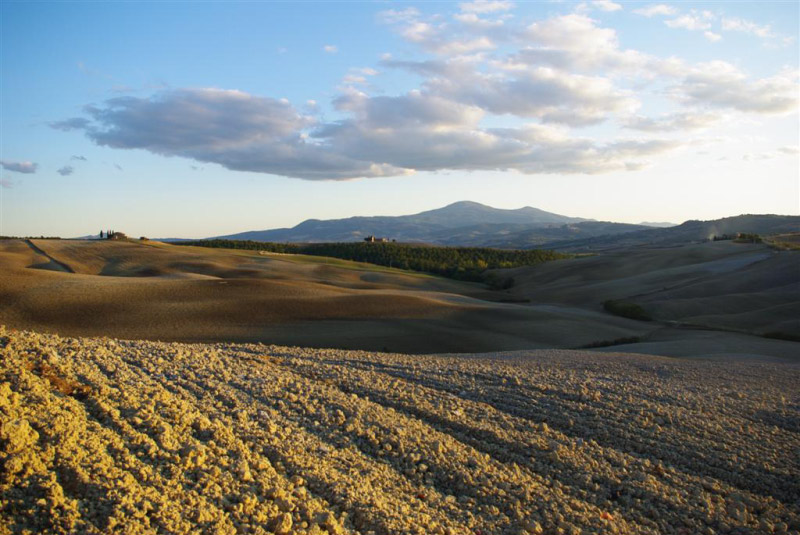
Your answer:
<point x="463" y="263"/>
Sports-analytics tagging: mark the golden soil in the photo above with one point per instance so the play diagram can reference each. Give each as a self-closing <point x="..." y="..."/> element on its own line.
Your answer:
<point x="109" y="436"/>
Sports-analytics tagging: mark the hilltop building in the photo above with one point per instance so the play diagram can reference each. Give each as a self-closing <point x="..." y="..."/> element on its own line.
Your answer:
<point x="373" y="239"/>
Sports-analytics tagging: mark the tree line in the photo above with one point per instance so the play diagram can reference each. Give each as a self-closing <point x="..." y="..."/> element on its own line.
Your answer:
<point x="463" y="263"/>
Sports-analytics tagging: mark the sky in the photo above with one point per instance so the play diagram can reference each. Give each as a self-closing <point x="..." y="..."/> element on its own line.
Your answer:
<point x="196" y="119"/>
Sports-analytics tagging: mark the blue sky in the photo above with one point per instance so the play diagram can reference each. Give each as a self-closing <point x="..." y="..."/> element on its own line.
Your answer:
<point x="200" y="118"/>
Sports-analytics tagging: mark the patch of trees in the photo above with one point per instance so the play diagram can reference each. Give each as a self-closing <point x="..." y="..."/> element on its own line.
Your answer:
<point x="744" y="237"/>
<point x="463" y="263"/>
<point x="739" y="237"/>
<point x="626" y="309"/>
<point x="615" y="342"/>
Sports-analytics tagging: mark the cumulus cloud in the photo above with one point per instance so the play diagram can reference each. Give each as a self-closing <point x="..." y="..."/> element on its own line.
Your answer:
<point x="480" y="69"/>
<point x="380" y="136"/>
<point x="422" y="132"/>
<point x="746" y="26"/>
<point x="486" y="6"/>
<point x="184" y="119"/>
<point x="353" y="77"/>
<point x="395" y="16"/>
<point x="234" y="129"/>
<point x="674" y="122"/>
<point x="75" y="123"/>
<point x="721" y="85"/>
<point x="475" y="22"/>
<point x="79" y="158"/>
<point x="576" y="42"/>
<point x="711" y="36"/>
<point x="549" y="94"/>
<point x="606" y="5"/>
<point x="437" y="37"/>
<point x="330" y="49"/>
<point x="656" y="9"/>
<point x="19" y="167"/>
<point x="66" y="170"/>
<point x="689" y="22"/>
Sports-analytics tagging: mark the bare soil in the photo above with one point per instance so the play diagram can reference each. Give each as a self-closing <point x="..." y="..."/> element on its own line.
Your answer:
<point x="99" y="435"/>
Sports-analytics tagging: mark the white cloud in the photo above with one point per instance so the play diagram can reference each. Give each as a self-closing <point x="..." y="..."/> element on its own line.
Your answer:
<point x="549" y="94"/>
<point x="359" y="75"/>
<point x="380" y="136"/>
<point x="231" y="128"/>
<point x="354" y="79"/>
<point x="539" y="81"/>
<point x="330" y="49"/>
<point x="477" y="23"/>
<point x="711" y="36"/>
<point x="19" y="167"/>
<point x="423" y="132"/>
<point x="439" y="38"/>
<point x="789" y="149"/>
<point x="689" y="22"/>
<point x="486" y="6"/>
<point x="721" y="85"/>
<point x="746" y="26"/>
<point x="576" y="43"/>
<point x="681" y="121"/>
<point x="457" y="48"/>
<point x="606" y="5"/>
<point x="394" y="16"/>
<point x="656" y="9"/>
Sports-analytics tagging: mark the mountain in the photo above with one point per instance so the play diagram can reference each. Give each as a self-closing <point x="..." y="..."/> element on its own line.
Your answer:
<point x="473" y="224"/>
<point x="446" y="225"/>
<point x="690" y="231"/>
<point x="543" y="236"/>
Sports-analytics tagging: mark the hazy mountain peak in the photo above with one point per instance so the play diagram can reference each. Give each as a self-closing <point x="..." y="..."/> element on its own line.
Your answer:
<point x="440" y="225"/>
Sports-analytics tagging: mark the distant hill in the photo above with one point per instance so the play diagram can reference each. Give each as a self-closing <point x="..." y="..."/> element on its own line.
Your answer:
<point x="543" y="236"/>
<point x="690" y="231"/>
<point x="473" y="224"/>
<point x="449" y="225"/>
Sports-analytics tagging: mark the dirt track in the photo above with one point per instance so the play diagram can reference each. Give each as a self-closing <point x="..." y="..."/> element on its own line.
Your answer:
<point x="100" y="436"/>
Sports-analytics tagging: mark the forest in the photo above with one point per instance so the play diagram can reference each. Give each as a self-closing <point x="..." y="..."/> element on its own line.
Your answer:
<point x="462" y="263"/>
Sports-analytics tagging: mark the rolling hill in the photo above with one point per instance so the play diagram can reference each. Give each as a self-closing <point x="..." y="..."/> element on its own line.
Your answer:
<point x="148" y="290"/>
<point x="688" y="232"/>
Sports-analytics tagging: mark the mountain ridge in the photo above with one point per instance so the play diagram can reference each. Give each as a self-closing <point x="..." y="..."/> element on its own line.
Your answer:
<point x="468" y="223"/>
<point x="420" y="227"/>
